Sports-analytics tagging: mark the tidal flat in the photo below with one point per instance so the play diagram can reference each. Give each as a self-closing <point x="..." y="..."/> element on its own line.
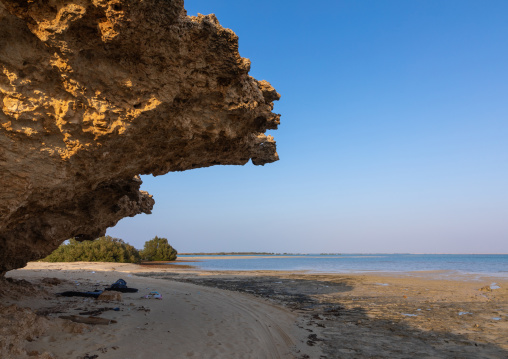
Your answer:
<point x="382" y="315"/>
<point x="274" y="314"/>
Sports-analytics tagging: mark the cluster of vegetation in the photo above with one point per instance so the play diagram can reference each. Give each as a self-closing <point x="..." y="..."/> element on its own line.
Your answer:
<point x="158" y="249"/>
<point x="109" y="249"/>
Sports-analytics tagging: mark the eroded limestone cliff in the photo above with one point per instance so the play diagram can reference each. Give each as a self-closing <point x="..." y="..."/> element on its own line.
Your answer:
<point x="94" y="93"/>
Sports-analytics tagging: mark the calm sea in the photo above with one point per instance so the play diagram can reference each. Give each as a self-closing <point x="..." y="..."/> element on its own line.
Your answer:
<point x="488" y="264"/>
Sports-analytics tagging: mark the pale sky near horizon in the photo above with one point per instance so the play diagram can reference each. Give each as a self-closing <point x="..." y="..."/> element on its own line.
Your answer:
<point x="393" y="136"/>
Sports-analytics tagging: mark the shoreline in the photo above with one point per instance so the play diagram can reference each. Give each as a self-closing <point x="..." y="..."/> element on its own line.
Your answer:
<point x="348" y="315"/>
<point x="453" y="273"/>
<point x="444" y="274"/>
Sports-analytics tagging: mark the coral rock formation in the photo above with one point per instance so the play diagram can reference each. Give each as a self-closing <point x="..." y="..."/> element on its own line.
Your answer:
<point x="94" y="93"/>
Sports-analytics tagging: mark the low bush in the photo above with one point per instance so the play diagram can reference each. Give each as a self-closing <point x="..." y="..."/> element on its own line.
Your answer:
<point x="103" y="249"/>
<point x="158" y="249"/>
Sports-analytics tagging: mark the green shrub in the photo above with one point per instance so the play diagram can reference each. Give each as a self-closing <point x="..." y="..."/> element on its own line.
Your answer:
<point x="158" y="249"/>
<point x="103" y="249"/>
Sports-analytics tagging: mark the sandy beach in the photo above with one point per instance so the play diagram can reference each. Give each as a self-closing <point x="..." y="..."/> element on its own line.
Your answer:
<point x="259" y="314"/>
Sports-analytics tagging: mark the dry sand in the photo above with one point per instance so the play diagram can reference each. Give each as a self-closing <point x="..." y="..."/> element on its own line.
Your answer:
<point x="189" y="321"/>
<point x="261" y="314"/>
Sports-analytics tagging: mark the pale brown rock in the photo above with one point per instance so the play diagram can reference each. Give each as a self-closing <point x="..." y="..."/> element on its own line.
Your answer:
<point x="94" y="93"/>
<point x="109" y="295"/>
<point x="19" y="326"/>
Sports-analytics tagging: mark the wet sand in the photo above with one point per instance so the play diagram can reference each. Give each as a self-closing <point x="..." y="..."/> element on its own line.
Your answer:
<point x="261" y="314"/>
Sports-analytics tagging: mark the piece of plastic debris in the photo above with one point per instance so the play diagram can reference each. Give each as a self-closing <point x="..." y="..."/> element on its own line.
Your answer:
<point x="464" y="313"/>
<point x="153" y="294"/>
<point x="409" y="315"/>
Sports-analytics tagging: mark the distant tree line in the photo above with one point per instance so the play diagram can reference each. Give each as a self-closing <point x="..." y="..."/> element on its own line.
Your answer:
<point x="109" y="249"/>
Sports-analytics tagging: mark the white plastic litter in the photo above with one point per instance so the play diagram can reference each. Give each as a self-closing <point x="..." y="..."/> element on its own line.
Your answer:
<point x="153" y="295"/>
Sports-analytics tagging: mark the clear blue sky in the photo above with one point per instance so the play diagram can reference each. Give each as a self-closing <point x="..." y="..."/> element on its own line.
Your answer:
<point x="393" y="136"/>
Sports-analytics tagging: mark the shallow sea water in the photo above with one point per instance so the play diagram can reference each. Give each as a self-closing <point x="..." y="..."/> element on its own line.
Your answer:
<point x="485" y="264"/>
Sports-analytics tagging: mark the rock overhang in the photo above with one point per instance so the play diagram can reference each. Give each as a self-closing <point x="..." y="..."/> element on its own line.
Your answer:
<point x="94" y="93"/>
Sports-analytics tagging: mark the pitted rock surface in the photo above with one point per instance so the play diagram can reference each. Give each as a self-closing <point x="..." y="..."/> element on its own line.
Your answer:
<point x="94" y="93"/>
